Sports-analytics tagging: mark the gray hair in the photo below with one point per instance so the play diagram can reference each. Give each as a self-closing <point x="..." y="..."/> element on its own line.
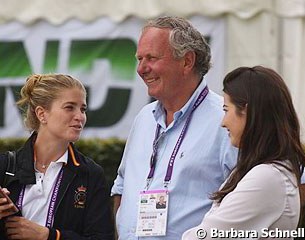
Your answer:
<point x="184" y="37"/>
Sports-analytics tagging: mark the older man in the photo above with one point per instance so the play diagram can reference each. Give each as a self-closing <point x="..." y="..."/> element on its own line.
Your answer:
<point x="176" y="147"/>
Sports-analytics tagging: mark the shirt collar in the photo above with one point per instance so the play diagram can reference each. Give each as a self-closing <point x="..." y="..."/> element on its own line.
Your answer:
<point x="63" y="158"/>
<point x="159" y="113"/>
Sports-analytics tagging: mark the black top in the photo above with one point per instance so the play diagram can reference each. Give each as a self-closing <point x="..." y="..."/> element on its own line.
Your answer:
<point x="82" y="209"/>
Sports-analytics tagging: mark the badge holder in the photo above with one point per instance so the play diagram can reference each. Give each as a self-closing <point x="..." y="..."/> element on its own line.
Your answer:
<point x="152" y="213"/>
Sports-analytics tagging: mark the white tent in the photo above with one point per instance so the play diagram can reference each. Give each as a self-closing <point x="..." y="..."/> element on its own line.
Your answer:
<point x="259" y="32"/>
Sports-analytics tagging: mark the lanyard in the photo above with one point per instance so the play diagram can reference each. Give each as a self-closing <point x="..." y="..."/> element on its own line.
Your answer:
<point x="170" y="165"/>
<point x="51" y="212"/>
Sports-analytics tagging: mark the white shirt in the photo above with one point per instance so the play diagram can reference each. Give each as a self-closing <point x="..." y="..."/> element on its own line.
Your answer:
<point x="37" y="197"/>
<point x="267" y="197"/>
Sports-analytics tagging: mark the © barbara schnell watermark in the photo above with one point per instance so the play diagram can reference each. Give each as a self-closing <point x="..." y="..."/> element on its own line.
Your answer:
<point x="246" y="234"/>
<point x="201" y="233"/>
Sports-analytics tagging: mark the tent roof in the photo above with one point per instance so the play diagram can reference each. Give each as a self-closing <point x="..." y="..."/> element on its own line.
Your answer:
<point x="59" y="11"/>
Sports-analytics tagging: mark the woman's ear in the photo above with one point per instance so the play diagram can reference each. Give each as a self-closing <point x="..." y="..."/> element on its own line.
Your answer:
<point x="40" y="114"/>
<point x="244" y="111"/>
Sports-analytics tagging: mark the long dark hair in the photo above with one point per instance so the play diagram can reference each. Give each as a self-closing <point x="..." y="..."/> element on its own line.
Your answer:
<point x="272" y="130"/>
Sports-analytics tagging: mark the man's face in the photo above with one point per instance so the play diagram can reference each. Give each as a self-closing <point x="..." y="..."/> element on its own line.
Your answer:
<point x="161" y="72"/>
<point x="161" y="199"/>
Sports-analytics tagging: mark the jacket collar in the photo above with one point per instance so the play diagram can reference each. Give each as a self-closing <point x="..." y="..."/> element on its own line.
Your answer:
<point x="25" y="172"/>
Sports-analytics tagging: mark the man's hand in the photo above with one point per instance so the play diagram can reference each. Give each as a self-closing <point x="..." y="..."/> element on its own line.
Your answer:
<point x="116" y="205"/>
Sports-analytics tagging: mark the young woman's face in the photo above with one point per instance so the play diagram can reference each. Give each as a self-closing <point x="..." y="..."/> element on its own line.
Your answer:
<point x="233" y="121"/>
<point x="66" y="118"/>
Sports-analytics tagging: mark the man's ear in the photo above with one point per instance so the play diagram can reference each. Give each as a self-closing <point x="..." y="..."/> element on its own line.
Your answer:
<point x="189" y="60"/>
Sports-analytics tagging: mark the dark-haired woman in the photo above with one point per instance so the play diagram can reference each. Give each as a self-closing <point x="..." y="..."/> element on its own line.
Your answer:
<point x="261" y="196"/>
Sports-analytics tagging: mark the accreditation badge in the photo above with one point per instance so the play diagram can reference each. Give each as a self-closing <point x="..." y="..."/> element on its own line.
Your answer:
<point x="152" y="213"/>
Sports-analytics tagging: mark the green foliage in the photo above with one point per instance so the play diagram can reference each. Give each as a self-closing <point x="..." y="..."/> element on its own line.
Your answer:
<point x="11" y="143"/>
<point x="105" y="152"/>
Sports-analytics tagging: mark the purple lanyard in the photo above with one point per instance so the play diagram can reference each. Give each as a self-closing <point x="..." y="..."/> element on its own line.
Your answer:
<point x="170" y="165"/>
<point x="50" y="216"/>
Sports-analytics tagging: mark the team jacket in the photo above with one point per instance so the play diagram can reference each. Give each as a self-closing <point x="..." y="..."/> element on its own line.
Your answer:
<point x="82" y="208"/>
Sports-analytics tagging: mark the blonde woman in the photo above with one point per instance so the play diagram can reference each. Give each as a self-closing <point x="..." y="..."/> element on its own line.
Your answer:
<point x="61" y="194"/>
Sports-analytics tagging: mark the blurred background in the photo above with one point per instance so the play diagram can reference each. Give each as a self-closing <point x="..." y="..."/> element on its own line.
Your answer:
<point x="95" y="41"/>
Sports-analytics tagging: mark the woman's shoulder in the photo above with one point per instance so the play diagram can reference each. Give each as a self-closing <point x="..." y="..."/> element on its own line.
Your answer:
<point x="3" y="160"/>
<point x="266" y="170"/>
<point x="275" y="168"/>
<point x="88" y="163"/>
<point x="3" y="157"/>
<point x="268" y="176"/>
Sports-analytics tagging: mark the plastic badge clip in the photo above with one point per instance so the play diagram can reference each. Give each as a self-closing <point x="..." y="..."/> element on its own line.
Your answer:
<point x="166" y="183"/>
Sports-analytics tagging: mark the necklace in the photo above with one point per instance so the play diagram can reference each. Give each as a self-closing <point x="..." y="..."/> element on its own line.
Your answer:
<point x="43" y="166"/>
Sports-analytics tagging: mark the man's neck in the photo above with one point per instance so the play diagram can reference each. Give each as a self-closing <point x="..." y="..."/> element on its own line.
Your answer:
<point x="175" y="103"/>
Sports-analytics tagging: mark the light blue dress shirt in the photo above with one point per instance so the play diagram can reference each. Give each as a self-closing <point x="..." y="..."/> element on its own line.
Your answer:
<point x="203" y="162"/>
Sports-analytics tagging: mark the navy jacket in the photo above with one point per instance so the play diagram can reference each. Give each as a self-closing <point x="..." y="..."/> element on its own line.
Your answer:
<point x="82" y="209"/>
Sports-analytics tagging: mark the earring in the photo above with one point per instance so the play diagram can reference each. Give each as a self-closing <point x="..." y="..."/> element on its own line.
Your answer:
<point x="43" y="121"/>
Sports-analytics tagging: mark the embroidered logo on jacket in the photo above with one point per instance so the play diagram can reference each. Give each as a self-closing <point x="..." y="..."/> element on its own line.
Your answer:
<point x="80" y="197"/>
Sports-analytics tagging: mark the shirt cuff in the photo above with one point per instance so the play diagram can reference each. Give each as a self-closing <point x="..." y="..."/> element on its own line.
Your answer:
<point x="117" y="188"/>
